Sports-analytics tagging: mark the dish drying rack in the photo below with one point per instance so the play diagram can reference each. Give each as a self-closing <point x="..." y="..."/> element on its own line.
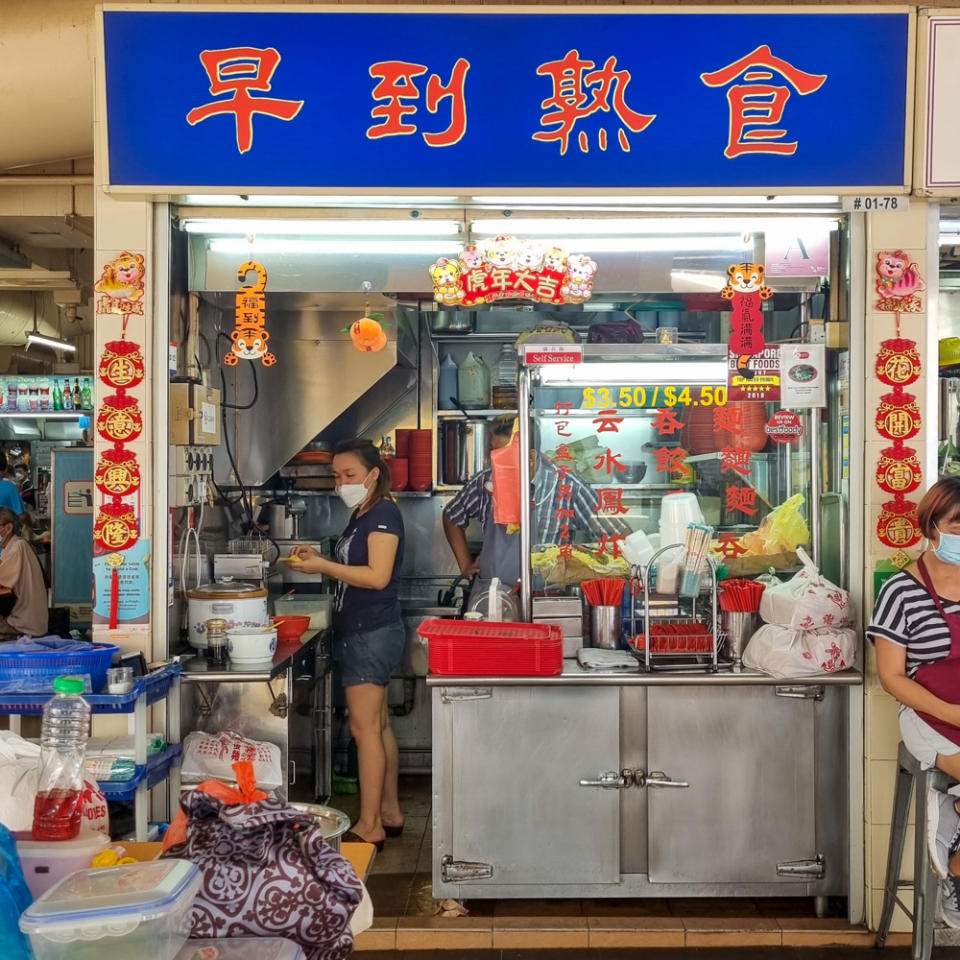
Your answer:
<point x="693" y="650"/>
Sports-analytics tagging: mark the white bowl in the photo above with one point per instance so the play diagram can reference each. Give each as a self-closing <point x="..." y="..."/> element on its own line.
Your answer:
<point x="251" y="645"/>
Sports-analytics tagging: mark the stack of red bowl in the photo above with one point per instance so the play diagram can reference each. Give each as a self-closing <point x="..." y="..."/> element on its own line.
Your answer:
<point x="399" y="473"/>
<point x="403" y="443"/>
<point x="421" y="460"/>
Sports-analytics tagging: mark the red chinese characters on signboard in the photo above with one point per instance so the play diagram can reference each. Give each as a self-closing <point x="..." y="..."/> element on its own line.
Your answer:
<point x="743" y="499"/>
<point x="579" y="91"/>
<point x="757" y="105"/>
<point x="242" y="71"/>
<point x="395" y="92"/>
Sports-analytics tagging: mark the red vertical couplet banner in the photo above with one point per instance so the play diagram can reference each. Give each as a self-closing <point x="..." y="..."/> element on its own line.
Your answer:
<point x="119" y="419"/>
<point x="899" y="287"/>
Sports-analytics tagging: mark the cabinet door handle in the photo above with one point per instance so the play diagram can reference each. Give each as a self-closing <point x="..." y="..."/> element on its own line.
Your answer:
<point x="657" y="778"/>
<point x="812" y="691"/>
<point x="610" y="781"/>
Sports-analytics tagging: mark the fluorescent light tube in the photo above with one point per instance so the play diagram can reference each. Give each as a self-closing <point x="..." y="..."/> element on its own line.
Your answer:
<point x="636" y="372"/>
<point x="320" y="200"/>
<point x="657" y="200"/>
<point x="648" y="226"/>
<point x="237" y="245"/>
<point x="324" y="228"/>
<point x="42" y="341"/>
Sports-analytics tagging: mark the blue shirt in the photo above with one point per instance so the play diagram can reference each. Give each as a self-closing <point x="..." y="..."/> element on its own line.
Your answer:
<point x="356" y="608"/>
<point x="10" y="497"/>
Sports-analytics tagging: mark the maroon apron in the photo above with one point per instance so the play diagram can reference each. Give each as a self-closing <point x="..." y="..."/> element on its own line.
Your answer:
<point x="942" y="678"/>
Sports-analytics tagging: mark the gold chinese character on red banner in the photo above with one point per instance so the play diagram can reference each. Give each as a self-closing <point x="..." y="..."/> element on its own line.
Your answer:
<point x="119" y="419"/>
<point x="121" y="364"/>
<point x="118" y="473"/>
<point x="116" y="527"/>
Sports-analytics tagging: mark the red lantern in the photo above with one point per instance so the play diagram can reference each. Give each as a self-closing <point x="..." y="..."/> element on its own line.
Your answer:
<point x="897" y="525"/>
<point x="898" y="416"/>
<point x="898" y="470"/>
<point x="121" y="364"/>
<point x="118" y="473"/>
<point x="120" y="419"/>
<point x="898" y="362"/>
<point x="116" y="527"/>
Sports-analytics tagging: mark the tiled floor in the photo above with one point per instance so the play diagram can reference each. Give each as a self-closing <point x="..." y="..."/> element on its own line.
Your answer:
<point x="400" y="885"/>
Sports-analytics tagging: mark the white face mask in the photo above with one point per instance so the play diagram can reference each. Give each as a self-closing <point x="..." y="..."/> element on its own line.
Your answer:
<point x="353" y="494"/>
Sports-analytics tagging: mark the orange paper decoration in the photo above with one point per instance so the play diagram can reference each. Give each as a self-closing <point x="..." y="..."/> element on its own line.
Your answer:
<point x="368" y="335"/>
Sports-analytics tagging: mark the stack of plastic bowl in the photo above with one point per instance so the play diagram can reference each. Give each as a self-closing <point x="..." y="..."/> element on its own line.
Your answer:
<point x="677" y="512"/>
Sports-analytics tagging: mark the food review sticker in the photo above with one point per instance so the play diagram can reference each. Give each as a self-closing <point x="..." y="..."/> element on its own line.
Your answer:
<point x="803" y="375"/>
<point x="784" y="427"/>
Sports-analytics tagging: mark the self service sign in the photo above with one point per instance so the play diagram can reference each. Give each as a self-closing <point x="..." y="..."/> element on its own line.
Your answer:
<point x="483" y="101"/>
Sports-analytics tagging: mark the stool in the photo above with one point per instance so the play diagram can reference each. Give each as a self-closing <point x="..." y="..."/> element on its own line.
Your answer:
<point x="925" y="882"/>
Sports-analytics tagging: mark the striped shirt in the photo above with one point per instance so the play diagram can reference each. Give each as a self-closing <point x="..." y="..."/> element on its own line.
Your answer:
<point x="473" y="501"/>
<point x="906" y="615"/>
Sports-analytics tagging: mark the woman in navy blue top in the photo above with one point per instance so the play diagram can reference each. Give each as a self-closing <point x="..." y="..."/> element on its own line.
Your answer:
<point x="369" y="634"/>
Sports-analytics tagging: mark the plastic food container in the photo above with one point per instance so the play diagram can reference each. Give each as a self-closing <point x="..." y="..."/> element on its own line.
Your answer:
<point x="493" y="649"/>
<point x="241" y="948"/>
<point x="46" y="862"/>
<point x="139" y="910"/>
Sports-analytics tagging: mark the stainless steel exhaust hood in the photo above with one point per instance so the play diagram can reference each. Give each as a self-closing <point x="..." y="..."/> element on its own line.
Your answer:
<point x="319" y="382"/>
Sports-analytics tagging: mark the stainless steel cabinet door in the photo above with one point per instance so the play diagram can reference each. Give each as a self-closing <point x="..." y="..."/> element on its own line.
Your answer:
<point x="515" y="764"/>
<point x="748" y="756"/>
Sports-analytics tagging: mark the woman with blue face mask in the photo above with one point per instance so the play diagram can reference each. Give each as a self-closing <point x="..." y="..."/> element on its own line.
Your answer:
<point x="369" y="637"/>
<point x="916" y="631"/>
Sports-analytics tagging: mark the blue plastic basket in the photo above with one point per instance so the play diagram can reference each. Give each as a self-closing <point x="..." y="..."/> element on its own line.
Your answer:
<point x="50" y="665"/>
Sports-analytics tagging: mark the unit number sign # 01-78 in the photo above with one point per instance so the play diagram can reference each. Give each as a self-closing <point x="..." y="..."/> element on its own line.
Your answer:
<point x="654" y="396"/>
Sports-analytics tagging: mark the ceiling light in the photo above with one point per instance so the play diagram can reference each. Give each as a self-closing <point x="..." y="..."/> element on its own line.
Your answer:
<point x="648" y="226"/>
<point x="320" y="200"/>
<point x="324" y="228"/>
<point x="658" y="200"/>
<point x="636" y="372"/>
<point x="236" y="245"/>
<point x="50" y="342"/>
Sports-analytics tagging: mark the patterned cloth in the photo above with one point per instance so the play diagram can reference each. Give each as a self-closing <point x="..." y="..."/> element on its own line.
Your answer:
<point x="473" y="501"/>
<point x="267" y="872"/>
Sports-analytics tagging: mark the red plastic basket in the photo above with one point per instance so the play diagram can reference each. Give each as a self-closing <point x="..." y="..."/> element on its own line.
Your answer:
<point x="486" y="649"/>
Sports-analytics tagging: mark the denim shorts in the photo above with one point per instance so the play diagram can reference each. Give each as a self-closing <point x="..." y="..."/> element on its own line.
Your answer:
<point x="369" y="656"/>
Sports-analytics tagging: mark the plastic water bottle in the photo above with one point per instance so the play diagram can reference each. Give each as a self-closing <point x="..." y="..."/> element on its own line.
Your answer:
<point x="63" y="742"/>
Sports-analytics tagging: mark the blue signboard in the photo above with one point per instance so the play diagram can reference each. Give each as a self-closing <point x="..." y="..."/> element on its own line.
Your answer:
<point x="525" y="100"/>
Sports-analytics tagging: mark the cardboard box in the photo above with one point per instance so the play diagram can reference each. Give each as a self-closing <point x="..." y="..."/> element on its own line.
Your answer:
<point x="194" y="415"/>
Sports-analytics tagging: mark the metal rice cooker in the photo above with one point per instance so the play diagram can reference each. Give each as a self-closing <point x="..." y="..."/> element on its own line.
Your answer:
<point x="241" y="604"/>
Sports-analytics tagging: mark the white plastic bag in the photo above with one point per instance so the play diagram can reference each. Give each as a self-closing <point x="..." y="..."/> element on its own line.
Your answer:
<point x="211" y="756"/>
<point x="807" y="601"/>
<point x="786" y="653"/>
<point x="19" y="776"/>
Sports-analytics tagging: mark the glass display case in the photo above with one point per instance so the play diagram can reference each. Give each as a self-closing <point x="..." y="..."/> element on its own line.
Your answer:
<point x="649" y="435"/>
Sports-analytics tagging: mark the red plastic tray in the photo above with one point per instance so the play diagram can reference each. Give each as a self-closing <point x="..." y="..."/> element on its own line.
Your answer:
<point x="481" y="649"/>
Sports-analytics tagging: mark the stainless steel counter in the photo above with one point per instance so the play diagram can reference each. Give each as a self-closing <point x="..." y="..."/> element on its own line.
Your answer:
<point x="641" y="785"/>
<point x="287" y="703"/>
<point x="576" y="676"/>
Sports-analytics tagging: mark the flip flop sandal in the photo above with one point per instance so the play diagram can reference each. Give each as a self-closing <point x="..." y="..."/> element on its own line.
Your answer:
<point x="351" y="837"/>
